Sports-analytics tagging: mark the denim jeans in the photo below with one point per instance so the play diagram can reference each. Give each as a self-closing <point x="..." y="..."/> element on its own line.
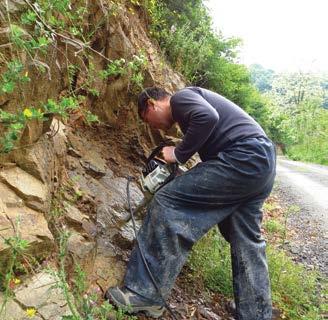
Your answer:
<point x="228" y="191"/>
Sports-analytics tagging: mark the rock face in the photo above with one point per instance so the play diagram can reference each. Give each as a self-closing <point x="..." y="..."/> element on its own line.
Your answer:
<point x="26" y="189"/>
<point x="109" y="228"/>
<point x="92" y="163"/>
<point x="34" y="193"/>
<point x="18" y="219"/>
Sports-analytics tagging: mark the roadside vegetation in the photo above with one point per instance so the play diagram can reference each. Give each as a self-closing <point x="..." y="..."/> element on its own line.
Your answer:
<point x="298" y="104"/>
<point x="296" y="292"/>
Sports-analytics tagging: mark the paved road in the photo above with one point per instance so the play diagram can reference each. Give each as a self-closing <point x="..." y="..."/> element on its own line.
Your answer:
<point x="306" y="186"/>
<point x="308" y="183"/>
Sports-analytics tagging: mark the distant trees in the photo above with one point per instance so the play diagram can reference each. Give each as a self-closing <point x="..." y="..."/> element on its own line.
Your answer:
<point x="261" y="77"/>
<point x="298" y="116"/>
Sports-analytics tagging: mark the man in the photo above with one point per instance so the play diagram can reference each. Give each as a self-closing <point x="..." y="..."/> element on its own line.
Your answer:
<point x="227" y="188"/>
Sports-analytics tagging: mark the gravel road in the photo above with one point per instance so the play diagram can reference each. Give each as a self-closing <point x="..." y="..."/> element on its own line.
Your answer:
<point x="306" y="186"/>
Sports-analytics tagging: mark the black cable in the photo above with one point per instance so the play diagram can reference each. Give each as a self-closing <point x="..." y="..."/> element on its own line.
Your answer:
<point x="141" y="253"/>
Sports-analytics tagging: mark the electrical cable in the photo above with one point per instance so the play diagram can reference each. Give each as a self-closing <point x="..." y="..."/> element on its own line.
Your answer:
<point x="141" y="253"/>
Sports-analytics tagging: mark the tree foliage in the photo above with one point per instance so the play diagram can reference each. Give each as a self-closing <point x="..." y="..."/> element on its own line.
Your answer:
<point x="203" y="56"/>
<point x="262" y="78"/>
<point x="298" y="117"/>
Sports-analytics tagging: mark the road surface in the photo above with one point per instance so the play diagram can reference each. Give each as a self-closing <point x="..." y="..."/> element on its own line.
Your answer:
<point x="306" y="186"/>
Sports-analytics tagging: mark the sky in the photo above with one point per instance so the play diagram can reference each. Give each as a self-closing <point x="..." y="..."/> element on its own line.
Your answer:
<point x="284" y="35"/>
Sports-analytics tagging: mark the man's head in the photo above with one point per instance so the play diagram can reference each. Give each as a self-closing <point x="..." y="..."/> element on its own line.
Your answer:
<point x="154" y="108"/>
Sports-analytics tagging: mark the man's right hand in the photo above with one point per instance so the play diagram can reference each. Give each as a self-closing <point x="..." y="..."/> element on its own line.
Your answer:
<point x="168" y="154"/>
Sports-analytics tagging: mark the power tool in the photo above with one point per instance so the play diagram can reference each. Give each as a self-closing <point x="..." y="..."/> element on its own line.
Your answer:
<point x="157" y="173"/>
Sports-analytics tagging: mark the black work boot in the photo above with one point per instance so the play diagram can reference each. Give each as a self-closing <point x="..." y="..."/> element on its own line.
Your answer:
<point x="124" y="298"/>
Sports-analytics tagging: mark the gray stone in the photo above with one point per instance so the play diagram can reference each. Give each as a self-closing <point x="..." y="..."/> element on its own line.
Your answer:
<point x="54" y="311"/>
<point x="39" y="160"/>
<point x="9" y="198"/>
<point x="117" y="187"/>
<point x="92" y="170"/>
<point x="32" y="190"/>
<point x="74" y="153"/>
<point x="38" y="290"/>
<point x="110" y="194"/>
<point x="79" y="247"/>
<point x="128" y="232"/>
<point x="42" y="294"/>
<point x="12" y="310"/>
<point x="73" y="214"/>
<point x="30" y="225"/>
<point x="89" y="153"/>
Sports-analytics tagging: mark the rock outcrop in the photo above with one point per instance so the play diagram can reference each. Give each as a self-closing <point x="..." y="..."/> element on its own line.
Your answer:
<point x="72" y="177"/>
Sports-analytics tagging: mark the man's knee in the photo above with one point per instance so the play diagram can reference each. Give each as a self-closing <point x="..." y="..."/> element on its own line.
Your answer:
<point x="245" y="226"/>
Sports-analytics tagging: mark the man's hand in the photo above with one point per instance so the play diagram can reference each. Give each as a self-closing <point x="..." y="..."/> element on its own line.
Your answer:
<point x="168" y="154"/>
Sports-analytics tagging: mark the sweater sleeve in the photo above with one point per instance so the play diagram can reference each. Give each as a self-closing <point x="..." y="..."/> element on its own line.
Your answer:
<point x="199" y="119"/>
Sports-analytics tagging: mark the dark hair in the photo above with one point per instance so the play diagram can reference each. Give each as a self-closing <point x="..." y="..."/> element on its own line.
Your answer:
<point x="150" y="93"/>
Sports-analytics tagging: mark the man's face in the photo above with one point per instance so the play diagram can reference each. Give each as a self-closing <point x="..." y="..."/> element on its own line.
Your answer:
<point x="158" y="114"/>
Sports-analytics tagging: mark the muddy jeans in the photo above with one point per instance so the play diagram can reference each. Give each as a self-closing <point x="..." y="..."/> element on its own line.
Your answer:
<point x="228" y="191"/>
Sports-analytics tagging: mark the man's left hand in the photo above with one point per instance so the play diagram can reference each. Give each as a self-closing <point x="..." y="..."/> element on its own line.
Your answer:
<point x="168" y="154"/>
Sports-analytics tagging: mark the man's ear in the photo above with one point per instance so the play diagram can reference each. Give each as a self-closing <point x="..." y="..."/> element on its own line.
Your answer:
<point x="151" y="103"/>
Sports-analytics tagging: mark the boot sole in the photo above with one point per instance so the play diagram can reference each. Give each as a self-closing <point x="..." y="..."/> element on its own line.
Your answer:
<point x="150" y="311"/>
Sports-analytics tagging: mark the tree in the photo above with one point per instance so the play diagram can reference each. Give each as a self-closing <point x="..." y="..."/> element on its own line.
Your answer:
<point x="289" y="90"/>
<point x="262" y="78"/>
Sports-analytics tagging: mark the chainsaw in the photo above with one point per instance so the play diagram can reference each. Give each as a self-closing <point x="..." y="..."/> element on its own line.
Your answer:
<point x="157" y="172"/>
<point x="155" y="175"/>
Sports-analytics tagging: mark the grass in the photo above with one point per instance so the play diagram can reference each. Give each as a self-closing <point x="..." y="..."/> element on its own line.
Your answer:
<point x="297" y="292"/>
<point x="294" y="289"/>
<point x="273" y="226"/>
<point x="210" y="260"/>
<point x="313" y="152"/>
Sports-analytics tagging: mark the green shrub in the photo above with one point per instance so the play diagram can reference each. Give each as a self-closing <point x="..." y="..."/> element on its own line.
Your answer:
<point x="294" y="290"/>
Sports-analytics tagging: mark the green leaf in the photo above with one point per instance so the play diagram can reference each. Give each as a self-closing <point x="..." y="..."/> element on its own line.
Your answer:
<point x="69" y="103"/>
<point x="51" y="106"/>
<point x="43" y="41"/>
<point x="8" y="87"/>
<point x="16" y="126"/>
<point x="28" y="17"/>
<point x="94" y="92"/>
<point x="91" y="118"/>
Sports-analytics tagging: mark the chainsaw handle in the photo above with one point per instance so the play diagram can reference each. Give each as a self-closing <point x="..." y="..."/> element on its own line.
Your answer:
<point x="155" y="152"/>
<point x="173" y="167"/>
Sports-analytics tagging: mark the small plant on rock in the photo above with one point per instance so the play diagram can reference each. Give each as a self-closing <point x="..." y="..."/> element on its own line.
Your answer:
<point x="17" y="248"/>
